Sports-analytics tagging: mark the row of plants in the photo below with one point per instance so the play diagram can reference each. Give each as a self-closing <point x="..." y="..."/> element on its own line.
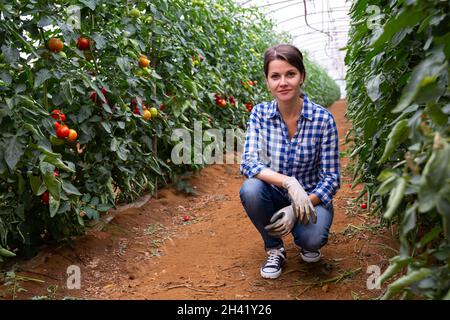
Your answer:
<point x="91" y="90"/>
<point x="398" y="92"/>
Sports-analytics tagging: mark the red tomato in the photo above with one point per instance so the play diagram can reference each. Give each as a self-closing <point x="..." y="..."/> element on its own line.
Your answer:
<point x="45" y="197"/>
<point x="72" y="135"/>
<point x="55" y="45"/>
<point x="55" y="114"/>
<point x="62" y="132"/>
<point x="83" y="43"/>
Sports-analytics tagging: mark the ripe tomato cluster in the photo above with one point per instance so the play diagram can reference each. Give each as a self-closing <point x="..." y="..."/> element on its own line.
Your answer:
<point x="99" y="102"/>
<point x="56" y="45"/>
<point x="249" y="106"/>
<point x="148" y="113"/>
<point x="232" y="101"/>
<point x="63" y="131"/>
<point x="221" y="102"/>
<point x="248" y="84"/>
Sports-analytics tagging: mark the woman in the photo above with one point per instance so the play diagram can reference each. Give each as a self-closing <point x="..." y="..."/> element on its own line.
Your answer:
<point x="291" y="160"/>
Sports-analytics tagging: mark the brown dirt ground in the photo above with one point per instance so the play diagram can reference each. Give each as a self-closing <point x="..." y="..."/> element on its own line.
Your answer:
<point x="149" y="252"/>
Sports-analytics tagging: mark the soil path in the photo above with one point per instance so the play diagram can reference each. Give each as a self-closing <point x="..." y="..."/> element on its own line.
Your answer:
<point x="152" y="253"/>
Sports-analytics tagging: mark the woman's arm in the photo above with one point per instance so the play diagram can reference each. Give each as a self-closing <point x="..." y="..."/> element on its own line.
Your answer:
<point x="277" y="179"/>
<point x="328" y="164"/>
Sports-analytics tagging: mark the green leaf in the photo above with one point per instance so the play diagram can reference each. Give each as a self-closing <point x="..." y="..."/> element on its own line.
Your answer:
<point x="436" y="114"/>
<point x="53" y="205"/>
<point x="395" y="198"/>
<point x="10" y="54"/>
<point x="67" y="90"/>
<point x="106" y="126"/>
<point x="100" y="40"/>
<point x="91" y="4"/>
<point x="373" y="87"/>
<point x="42" y="76"/>
<point x="14" y="151"/>
<point x="57" y="162"/>
<point x="155" y="75"/>
<point x="103" y="207"/>
<point x="124" y="64"/>
<point x="407" y="17"/>
<point x="6" y="77"/>
<point x="122" y="152"/>
<point x="69" y="188"/>
<point x="35" y="183"/>
<point x="429" y="236"/>
<point x="6" y="253"/>
<point x="86" y="197"/>
<point x="405" y="281"/>
<point x="409" y="220"/>
<point x="427" y="69"/>
<point x="398" y="134"/>
<point x="91" y="213"/>
<point x="95" y="201"/>
<point x="53" y="185"/>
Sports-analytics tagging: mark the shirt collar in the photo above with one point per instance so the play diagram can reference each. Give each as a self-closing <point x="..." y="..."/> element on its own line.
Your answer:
<point x="307" y="111"/>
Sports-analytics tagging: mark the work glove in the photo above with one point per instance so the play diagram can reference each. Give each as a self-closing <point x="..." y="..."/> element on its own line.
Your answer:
<point x="303" y="208"/>
<point x="282" y="222"/>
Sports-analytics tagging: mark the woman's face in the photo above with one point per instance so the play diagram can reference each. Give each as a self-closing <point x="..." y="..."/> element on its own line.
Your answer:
<point x="283" y="80"/>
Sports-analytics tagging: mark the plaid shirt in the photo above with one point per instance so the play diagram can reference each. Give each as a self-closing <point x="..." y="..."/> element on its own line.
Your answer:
<point x="311" y="156"/>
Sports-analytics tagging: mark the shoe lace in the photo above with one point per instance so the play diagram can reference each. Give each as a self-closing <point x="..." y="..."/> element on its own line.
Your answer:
<point x="274" y="258"/>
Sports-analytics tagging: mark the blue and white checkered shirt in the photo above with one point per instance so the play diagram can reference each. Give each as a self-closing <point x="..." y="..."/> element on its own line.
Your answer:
<point x="311" y="156"/>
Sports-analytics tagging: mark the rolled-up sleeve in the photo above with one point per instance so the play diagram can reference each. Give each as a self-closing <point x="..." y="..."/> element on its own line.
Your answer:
<point x="251" y="164"/>
<point x="329" y="164"/>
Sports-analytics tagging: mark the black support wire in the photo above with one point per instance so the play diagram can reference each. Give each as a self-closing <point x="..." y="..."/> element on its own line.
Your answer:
<point x="313" y="13"/>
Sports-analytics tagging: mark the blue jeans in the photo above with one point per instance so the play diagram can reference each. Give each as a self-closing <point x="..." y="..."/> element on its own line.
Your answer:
<point x="261" y="201"/>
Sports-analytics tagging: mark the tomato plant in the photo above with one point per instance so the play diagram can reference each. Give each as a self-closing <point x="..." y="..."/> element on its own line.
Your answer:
<point x="104" y="71"/>
<point x="399" y="104"/>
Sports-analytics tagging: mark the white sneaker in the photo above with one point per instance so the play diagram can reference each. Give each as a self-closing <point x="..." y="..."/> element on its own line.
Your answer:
<point x="273" y="266"/>
<point x="310" y="256"/>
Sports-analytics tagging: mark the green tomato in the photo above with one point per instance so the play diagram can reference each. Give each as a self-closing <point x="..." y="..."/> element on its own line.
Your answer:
<point x="135" y="13"/>
<point x="139" y="72"/>
<point x="147" y="71"/>
<point x="149" y="19"/>
<point x="154" y="112"/>
<point x="62" y="54"/>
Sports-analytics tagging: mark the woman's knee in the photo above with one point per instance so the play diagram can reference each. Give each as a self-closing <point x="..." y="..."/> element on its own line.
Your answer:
<point x="251" y="189"/>
<point x="311" y="242"/>
<point x="313" y="237"/>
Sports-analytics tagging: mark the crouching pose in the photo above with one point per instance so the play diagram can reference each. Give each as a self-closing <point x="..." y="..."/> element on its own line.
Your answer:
<point x="291" y="160"/>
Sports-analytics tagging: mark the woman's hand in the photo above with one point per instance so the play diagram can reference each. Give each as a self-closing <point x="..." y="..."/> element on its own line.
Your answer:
<point x="301" y="203"/>
<point x="282" y="222"/>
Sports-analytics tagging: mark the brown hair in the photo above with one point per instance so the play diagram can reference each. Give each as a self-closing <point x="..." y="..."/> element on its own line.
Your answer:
<point x="286" y="52"/>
